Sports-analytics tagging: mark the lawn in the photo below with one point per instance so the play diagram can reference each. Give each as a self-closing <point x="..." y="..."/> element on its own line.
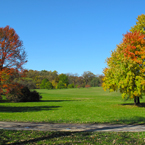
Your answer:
<point x="84" y="105"/>
<point x="85" y="138"/>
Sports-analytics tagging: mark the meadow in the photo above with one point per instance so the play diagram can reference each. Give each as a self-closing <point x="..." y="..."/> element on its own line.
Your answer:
<point x="83" y="105"/>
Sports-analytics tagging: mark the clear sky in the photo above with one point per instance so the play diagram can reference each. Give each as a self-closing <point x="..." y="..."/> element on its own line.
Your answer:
<point x="70" y="36"/>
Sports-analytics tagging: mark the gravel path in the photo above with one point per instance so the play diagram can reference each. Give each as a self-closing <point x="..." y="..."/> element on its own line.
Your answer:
<point x="70" y="127"/>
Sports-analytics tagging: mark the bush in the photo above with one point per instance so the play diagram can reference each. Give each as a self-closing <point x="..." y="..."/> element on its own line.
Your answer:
<point x="15" y="94"/>
<point x="34" y="96"/>
<point x="87" y="86"/>
<point x="71" y="86"/>
<point x="83" y="85"/>
<point x="22" y="94"/>
<point x="25" y="94"/>
<point x="78" y="86"/>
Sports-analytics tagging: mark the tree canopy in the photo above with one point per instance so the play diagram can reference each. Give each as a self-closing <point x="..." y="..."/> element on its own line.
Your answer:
<point x="140" y="25"/>
<point x="12" y="57"/>
<point x="126" y="66"/>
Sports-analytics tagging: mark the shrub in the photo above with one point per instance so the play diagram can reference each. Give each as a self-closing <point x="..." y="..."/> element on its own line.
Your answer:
<point x="83" y="85"/>
<point x="87" y="86"/>
<point x="78" y="86"/>
<point x="15" y="94"/>
<point x="22" y="94"/>
<point x="25" y="94"/>
<point x="71" y="86"/>
<point x="34" y="96"/>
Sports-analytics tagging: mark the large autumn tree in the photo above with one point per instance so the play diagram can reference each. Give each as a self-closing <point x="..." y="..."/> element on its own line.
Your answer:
<point x="12" y="57"/>
<point x="126" y="66"/>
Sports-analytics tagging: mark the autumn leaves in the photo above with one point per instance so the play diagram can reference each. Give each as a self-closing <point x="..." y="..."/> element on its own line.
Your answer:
<point x="12" y="58"/>
<point x="126" y="66"/>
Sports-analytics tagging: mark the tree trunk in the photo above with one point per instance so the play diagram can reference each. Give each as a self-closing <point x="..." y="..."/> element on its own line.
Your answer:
<point x="134" y="100"/>
<point x="138" y="100"/>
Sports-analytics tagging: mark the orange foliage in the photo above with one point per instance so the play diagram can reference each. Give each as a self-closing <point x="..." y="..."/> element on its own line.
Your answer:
<point x="12" y="57"/>
<point x="87" y="86"/>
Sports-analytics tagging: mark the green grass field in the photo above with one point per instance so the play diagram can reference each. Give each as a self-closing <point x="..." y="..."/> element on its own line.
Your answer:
<point x="83" y="105"/>
<point x="69" y="138"/>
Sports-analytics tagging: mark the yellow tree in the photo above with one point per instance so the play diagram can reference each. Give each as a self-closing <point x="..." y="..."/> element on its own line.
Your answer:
<point x="126" y="67"/>
<point x="140" y="25"/>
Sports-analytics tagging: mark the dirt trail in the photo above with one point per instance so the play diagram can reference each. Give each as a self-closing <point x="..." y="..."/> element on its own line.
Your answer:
<point x="70" y="127"/>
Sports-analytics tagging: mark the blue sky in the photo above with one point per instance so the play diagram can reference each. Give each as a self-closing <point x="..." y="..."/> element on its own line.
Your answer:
<point x="70" y="36"/>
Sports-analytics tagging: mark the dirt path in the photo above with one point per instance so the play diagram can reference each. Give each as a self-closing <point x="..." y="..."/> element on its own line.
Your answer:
<point x="70" y="127"/>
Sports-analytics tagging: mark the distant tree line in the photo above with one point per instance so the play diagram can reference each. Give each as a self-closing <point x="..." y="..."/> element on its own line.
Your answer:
<point x="52" y="80"/>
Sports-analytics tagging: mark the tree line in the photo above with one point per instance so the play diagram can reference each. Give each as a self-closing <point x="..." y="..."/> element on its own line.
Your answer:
<point x="16" y="82"/>
<point x="52" y="80"/>
<point x="125" y="69"/>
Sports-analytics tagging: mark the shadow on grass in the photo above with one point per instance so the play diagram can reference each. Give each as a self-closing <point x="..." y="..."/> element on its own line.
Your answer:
<point x="3" y="138"/>
<point x="131" y="121"/>
<point x="5" y="101"/>
<point x="132" y="104"/>
<point x="27" y="108"/>
<point x="49" y="137"/>
<point x="57" y="100"/>
<point x="77" y="138"/>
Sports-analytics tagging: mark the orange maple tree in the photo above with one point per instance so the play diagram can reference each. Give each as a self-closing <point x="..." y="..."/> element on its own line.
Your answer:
<point x="12" y="58"/>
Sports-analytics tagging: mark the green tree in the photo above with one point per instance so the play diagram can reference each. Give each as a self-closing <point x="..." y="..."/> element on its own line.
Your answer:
<point x="43" y="84"/>
<point x="48" y="85"/>
<point x="71" y="86"/>
<point x="95" y="82"/>
<point x="126" y="67"/>
<point x="88" y="76"/>
<point x="28" y="82"/>
<point x="61" y="85"/>
<point x="64" y="79"/>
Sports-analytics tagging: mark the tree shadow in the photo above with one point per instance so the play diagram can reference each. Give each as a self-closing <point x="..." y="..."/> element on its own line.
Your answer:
<point x="5" y="101"/>
<point x="132" y="104"/>
<point x="51" y="136"/>
<point x="27" y="108"/>
<point x="3" y="141"/>
<point x="57" y="100"/>
<point x="136" y="120"/>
